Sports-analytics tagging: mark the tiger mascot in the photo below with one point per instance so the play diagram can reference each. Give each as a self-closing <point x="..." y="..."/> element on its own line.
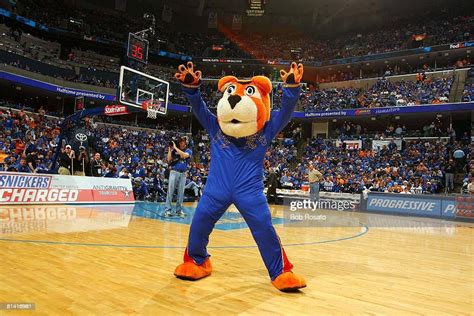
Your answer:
<point x="240" y="136"/>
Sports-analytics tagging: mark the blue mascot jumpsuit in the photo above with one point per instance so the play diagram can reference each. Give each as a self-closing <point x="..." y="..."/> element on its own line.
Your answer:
<point x="236" y="177"/>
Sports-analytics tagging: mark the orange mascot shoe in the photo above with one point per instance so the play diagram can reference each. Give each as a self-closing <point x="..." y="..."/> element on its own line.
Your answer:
<point x="289" y="282"/>
<point x="189" y="270"/>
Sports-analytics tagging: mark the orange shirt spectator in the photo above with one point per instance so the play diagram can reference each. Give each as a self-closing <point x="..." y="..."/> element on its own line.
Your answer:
<point x="19" y="146"/>
<point x="421" y="167"/>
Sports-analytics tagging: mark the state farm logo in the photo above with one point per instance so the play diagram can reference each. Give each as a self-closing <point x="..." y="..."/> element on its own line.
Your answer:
<point x="115" y="110"/>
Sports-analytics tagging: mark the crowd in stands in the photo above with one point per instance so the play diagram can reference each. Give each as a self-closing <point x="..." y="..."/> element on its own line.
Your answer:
<point x="114" y="26"/>
<point x="104" y="24"/>
<point x="468" y="92"/>
<point x="402" y="33"/>
<point x="28" y="143"/>
<point x="25" y="44"/>
<point x="418" y="167"/>
<point x="405" y="35"/>
<point x="283" y="153"/>
<point x="414" y="167"/>
<point x="351" y="130"/>
<point x="330" y="99"/>
<point x="94" y="60"/>
<point x="102" y="70"/>
<point x="383" y="93"/>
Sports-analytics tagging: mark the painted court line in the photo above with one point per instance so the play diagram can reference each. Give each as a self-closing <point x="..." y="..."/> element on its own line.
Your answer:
<point x="365" y="231"/>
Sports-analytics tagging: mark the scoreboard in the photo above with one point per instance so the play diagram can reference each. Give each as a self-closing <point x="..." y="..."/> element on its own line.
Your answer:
<point x="137" y="48"/>
<point x="256" y="8"/>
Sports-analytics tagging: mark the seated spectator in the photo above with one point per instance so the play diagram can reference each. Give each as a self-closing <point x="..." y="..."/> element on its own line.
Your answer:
<point x="22" y="166"/>
<point x="470" y="186"/>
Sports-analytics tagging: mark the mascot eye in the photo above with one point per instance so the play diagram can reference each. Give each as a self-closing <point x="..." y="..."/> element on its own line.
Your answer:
<point x="230" y="89"/>
<point x="250" y="90"/>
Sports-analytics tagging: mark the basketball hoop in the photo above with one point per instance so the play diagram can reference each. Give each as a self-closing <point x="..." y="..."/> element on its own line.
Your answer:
<point x="143" y="91"/>
<point x="153" y="107"/>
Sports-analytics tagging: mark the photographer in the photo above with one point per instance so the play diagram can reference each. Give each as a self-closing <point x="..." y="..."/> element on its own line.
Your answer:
<point x="178" y="160"/>
<point x="81" y="161"/>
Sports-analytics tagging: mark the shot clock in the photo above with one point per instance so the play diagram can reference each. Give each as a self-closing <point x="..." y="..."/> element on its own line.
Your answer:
<point x="137" y="48"/>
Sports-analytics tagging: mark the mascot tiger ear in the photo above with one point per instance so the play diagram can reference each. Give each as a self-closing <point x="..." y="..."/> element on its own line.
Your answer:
<point x="263" y="84"/>
<point x="224" y="81"/>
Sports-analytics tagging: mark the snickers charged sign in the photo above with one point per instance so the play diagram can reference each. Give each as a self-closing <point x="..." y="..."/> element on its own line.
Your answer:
<point x="28" y="188"/>
<point x="21" y="188"/>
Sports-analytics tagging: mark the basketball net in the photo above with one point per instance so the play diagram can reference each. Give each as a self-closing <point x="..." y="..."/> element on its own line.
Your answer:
<point x="152" y="107"/>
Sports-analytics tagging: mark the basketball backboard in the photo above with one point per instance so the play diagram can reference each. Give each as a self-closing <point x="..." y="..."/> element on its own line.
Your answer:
<point x="140" y="90"/>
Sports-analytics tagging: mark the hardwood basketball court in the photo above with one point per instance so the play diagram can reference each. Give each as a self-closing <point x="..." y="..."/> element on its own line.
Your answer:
<point x="120" y="259"/>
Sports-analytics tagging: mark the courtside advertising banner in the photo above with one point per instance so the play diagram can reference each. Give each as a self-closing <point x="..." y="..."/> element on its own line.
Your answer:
<point x="450" y="207"/>
<point x="405" y="205"/>
<point x="29" y="188"/>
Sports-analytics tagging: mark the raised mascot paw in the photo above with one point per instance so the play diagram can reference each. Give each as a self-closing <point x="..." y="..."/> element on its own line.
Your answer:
<point x="289" y="282"/>
<point x="187" y="76"/>
<point x="192" y="272"/>
<point x="293" y="77"/>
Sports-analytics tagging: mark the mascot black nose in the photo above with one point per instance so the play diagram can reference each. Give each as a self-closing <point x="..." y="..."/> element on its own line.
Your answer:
<point x="233" y="100"/>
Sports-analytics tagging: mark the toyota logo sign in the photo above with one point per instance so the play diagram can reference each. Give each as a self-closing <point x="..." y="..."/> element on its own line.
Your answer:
<point x="81" y="137"/>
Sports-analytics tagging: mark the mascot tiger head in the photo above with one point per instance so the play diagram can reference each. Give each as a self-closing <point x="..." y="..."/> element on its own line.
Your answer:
<point x="244" y="107"/>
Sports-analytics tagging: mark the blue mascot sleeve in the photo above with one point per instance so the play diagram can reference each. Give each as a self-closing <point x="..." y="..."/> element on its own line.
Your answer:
<point x="201" y="111"/>
<point x="281" y="119"/>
